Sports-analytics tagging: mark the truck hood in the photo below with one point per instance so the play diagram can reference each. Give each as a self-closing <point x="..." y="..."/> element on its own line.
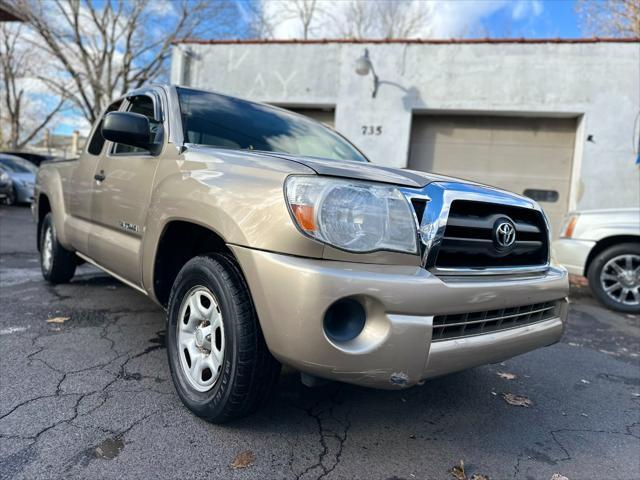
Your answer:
<point x="364" y="171"/>
<point x="339" y="168"/>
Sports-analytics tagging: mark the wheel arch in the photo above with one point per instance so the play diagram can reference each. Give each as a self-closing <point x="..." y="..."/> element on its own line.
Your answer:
<point x="179" y="242"/>
<point x="606" y="243"/>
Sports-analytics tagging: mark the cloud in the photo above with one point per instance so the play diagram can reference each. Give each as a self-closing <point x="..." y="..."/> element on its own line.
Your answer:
<point x="457" y="19"/>
<point x="70" y="120"/>
<point x="162" y="8"/>
<point x="523" y="9"/>
<point x="443" y="18"/>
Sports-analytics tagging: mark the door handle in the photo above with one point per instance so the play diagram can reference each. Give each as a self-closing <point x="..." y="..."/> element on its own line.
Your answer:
<point x="100" y="176"/>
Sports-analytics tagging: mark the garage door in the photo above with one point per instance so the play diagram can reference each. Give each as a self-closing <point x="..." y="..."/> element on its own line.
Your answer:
<point x="530" y="156"/>
<point x="323" y="115"/>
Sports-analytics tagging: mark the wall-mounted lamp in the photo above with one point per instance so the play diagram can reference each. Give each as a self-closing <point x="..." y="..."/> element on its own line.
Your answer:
<point x="364" y="66"/>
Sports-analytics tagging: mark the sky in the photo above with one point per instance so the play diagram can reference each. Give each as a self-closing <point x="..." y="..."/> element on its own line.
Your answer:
<point x="545" y="18"/>
<point x="450" y="18"/>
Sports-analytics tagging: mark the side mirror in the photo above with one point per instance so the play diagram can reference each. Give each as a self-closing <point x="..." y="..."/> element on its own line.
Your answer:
<point x="127" y="128"/>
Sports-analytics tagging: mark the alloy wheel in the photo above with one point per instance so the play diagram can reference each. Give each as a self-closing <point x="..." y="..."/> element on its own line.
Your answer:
<point x="620" y="279"/>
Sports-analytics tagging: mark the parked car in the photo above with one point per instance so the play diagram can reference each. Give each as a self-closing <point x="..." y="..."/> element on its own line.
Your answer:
<point x="271" y="239"/>
<point x="35" y="158"/>
<point x="604" y="246"/>
<point x="22" y="175"/>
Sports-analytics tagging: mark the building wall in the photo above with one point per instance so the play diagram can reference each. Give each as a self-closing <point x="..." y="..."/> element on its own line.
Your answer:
<point x="597" y="83"/>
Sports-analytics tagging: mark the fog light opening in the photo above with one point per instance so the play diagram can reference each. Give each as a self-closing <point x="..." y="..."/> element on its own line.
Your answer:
<point x="344" y="320"/>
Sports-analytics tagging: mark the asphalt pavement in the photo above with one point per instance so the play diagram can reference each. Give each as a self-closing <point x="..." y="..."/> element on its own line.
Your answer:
<point x="85" y="392"/>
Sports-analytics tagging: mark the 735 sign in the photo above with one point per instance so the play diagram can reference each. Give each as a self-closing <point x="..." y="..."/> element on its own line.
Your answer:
<point x="371" y="130"/>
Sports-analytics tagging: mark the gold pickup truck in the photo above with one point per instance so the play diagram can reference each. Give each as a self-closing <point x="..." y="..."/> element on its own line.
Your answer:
<point x="270" y="239"/>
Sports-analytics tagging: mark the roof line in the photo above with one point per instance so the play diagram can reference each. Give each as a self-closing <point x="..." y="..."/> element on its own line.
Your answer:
<point x="426" y="41"/>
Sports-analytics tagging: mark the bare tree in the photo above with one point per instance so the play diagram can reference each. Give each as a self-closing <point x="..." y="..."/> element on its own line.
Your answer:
<point x="262" y="21"/>
<point x="303" y="10"/>
<point x="376" y="19"/>
<point x="16" y="67"/>
<point x="358" y="20"/>
<point x="400" y="18"/>
<point x="616" y="18"/>
<point x="104" y="49"/>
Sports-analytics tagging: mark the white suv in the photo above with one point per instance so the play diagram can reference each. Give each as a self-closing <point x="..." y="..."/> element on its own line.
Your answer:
<point x="604" y="246"/>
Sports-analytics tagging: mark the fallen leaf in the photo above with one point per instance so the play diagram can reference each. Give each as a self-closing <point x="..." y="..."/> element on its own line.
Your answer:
<point x="557" y="476"/>
<point x="458" y="471"/>
<point x="516" y="400"/>
<point x="507" y="376"/>
<point x="477" y="476"/>
<point x="243" y="460"/>
<point x="57" y="319"/>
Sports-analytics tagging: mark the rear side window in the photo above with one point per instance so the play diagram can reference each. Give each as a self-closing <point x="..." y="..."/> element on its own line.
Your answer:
<point x="97" y="140"/>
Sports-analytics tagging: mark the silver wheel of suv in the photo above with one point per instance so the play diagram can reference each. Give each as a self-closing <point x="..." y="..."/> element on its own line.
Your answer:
<point x="200" y="338"/>
<point x="620" y="279"/>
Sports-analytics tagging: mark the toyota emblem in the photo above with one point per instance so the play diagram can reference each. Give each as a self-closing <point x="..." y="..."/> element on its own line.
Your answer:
<point x="504" y="234"/>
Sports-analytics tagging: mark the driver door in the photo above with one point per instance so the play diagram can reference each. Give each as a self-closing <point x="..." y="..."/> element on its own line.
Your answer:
<point x="121" y="195"/>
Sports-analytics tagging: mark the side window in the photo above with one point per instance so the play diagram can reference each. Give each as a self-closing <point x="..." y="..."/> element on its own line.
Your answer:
<point x="97" y="140"/>
<point x="143" y="105"/>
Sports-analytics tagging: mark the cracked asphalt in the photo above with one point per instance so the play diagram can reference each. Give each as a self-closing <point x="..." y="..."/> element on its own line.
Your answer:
<point x="91" y="397"/>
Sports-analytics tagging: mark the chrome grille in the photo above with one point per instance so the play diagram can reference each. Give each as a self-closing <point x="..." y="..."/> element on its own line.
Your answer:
<point x="468" y="237"/>
<point x="458" y="226"/>
<point x="446" y="327"/>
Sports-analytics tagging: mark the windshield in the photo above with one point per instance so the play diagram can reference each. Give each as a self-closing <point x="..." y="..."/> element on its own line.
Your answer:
<point x="227" y="122"/>
<point x="17" y="164"/>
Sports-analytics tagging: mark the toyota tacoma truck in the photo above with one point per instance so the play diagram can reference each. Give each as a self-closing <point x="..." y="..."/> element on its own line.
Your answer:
<point x="270" y="239"/>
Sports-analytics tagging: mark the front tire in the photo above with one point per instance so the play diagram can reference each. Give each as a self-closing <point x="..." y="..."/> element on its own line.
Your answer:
<point x="10" y="199"/>
<point x="614" y="277"/>
<point x="219" y="361"/>
<point x="58" y="264"/>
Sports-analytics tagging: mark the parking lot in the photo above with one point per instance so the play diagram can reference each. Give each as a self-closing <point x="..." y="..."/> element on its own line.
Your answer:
<point x="85" y="392"/>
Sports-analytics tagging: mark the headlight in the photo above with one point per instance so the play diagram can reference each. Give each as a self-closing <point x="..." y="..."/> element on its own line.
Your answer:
<point x="569" y="226"/>
<point x="4" y="178"/>
<point x="352" y="215"/>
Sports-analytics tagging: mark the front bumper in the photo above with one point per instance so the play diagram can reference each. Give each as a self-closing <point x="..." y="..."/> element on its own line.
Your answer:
<point x="572" y="253"/>
<point x="394" y="350"/>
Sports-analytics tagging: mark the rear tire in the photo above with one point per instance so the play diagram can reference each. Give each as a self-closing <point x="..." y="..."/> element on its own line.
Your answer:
<point x="617" y="269"/>
<point x="58" y="264"/>
<point x="231" y="374"/>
